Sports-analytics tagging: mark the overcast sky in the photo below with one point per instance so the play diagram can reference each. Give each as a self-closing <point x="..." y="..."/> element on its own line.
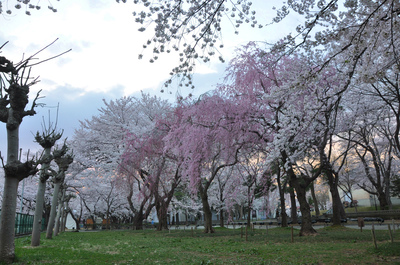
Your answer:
<point x="103" y="63"/>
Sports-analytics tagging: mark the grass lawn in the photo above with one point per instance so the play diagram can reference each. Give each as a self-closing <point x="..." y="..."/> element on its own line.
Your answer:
<point x="226" y="246"/>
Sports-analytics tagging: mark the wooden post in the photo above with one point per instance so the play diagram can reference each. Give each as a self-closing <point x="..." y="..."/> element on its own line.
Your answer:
<point x="390" y="233"/>
<point x="360" y="222"/>
<point x="246" y="233"/>
<point x="192" y="232"/>
<point x="241" y="232"/>
<point x="292" y="234"/>
<point x="373" y="236"/>
<point x="267" y="229"/>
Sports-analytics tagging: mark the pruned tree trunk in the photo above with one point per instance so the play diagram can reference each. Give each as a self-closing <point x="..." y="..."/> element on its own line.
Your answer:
<point x="47" y="140"/>
<point x="53" y="211"/>
<point x="7" y="222"/>
<point x="59" y="214"/>
<point x="38" y="217"/>
<point x="15" y="171"/>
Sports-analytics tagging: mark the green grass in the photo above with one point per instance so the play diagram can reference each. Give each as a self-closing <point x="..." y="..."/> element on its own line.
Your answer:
<point x="226" y="246"/>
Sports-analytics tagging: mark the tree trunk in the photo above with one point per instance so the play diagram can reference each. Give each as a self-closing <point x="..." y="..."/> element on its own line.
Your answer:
<point x="207" y="213"/>
<point x="59" y="215"/>
<point x="77" y="220"/>
<point x="50" y="225"/>
<point x="337" y="207"/>
<point x="306" y="225"/>
<point x="282" y="199"/>
<point x="64" y="217"/>
<point x="221" y="218"/>
<point x="7" y="221"/>
<point x="293" y="208"/>
<point x="383" y="203"/>
<point x="162" y="216"/>
<point x="314" y="197"/>
<point x="9" y="204"/>
<point x="38" y="217"/>
<point x="57" y="222"/>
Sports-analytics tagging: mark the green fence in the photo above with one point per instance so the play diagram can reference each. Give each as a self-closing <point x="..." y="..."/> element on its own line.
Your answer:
<point x="24" y="224"/>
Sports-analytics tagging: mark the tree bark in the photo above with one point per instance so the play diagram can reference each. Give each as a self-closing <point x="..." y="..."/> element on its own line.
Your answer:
<point x="293" y="208"/>
<point x="306" y="225"/>
<point x="281" y="189"/>
<point x="7" y="221"/>
<point x="207" y="212"/>
<point x="162" y="215"/>
<point x="317" y="213"/>
<point x="221" y="218"/>
<point x="38" y="217"/>
<point x="53" y="211"/>
<point x="59" y="215"/>
<point x="338" y="212"/>
<point x="300" y="186"/>
<point x="15" y="171"/>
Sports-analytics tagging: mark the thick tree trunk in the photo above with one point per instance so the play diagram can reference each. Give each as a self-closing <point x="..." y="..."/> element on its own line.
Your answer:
<point x="300" y="188"/>
<point x="9" y="204"/>
<point x="53" y="211"/>
<point x="337" y="207"/>
<point x="7" y="221"/>
<point x="38" y="217"/>
<point x="306" y="224"/>
<point x="162" y="215"/>
<point x="383" y="203"/>
<point x="138" y="221"/>
<point x="207" y="213"/>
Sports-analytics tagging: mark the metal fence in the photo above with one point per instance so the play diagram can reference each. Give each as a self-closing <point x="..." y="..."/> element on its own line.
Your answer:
<point x="24" y="224"/>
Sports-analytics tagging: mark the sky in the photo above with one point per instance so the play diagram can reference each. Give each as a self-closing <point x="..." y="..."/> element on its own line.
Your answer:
<point x="103" y="63"/>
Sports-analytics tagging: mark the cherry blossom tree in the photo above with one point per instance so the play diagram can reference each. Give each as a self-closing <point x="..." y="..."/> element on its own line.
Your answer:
<point x="160" y="174"/>
<point x="216" y="123"/>
<point x="301" y="112"/>
<point x="102" y="141"/>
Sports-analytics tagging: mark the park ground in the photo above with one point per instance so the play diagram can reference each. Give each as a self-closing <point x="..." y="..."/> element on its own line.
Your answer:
<point x="275" y="245"/>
